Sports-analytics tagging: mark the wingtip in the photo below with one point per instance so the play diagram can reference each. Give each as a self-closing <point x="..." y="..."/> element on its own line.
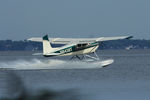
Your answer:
<point x="129" y="37"/>
<point x="30" y="39"/>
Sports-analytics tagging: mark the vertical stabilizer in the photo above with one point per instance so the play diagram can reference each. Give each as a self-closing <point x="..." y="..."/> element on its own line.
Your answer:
<point x="46" y="45"/>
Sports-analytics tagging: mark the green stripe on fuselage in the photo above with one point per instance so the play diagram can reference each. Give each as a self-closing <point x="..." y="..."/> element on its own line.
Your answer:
<point x="74" y="48"/>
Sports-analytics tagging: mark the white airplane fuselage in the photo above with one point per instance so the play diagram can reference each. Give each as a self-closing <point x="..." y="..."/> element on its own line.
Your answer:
<point x="73" y="49"/>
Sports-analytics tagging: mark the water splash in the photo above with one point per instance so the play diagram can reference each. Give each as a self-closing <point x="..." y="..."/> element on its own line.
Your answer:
<point x="47" y="64"/>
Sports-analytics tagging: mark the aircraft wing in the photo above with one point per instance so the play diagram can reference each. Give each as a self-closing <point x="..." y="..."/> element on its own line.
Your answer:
<point x="101" y="39"/>
<point x="79" y="40"/>
<point x="64" y="40"/>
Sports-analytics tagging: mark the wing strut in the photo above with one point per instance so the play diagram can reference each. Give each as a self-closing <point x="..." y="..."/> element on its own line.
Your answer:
<point x="86" y="57"/>
<point x="92" y="57"/>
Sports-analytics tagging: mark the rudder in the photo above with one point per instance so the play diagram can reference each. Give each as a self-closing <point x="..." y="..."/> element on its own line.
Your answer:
<point x="47" y="48"/>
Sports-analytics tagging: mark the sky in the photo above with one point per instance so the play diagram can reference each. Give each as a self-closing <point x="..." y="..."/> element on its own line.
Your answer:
<point x="22" y="19"/>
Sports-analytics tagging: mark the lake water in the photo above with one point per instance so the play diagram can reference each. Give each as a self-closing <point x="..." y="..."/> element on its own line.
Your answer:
<point x="128" y="78"/>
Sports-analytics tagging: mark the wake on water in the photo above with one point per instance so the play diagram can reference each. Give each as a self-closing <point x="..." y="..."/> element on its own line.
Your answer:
<point x="47" y="64"/>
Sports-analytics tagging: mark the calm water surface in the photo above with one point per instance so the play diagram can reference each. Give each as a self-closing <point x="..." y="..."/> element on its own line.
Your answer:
<point x="128" y="78"/>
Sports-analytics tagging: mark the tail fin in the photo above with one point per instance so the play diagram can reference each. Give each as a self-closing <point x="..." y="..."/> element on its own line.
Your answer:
<point x="46" y="45"/>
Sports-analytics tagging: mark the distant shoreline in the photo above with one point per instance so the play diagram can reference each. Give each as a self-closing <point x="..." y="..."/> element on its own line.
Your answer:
<point x="10" y="45"/>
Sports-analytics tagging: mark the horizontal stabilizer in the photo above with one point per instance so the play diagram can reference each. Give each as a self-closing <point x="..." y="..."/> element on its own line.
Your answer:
<point x="37" y="54"/>
<point x="52" y="54"/>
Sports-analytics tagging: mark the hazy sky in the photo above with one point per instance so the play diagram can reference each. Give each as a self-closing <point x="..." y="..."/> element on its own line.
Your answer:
<point x="21" y="19"/>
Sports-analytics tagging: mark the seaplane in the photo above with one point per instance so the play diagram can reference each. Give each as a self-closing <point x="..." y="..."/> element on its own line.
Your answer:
<point x="77" y="48"/>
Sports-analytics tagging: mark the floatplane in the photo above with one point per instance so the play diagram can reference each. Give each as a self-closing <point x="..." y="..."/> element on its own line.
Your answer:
<point x="79" y="48"/>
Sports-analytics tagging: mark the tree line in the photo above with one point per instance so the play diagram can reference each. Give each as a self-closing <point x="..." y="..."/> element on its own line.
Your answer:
<point x="10" y="45"/>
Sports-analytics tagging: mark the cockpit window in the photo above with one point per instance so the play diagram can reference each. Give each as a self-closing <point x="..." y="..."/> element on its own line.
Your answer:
<point x="79" y="45"/>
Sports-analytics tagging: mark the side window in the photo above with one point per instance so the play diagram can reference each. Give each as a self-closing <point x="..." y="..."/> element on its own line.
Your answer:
<point x="83" y="45"/>
<point x="79" y="45"/>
